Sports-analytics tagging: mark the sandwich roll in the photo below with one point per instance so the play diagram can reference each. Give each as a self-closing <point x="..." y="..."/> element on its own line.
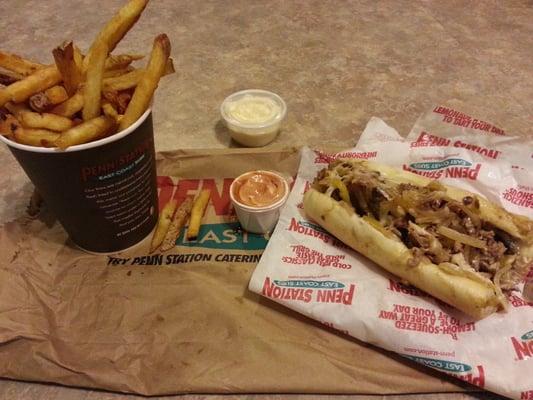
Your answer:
<point x="452" y="244"/>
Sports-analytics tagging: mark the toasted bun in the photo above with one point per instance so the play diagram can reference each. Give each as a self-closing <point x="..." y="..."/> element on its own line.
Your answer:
<point x="469" y="292"/>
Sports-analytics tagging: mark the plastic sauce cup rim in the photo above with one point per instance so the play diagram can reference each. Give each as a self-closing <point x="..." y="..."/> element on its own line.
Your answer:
<point x="79" y="147"/>
<point x="277" y="98"/>
<point x="269" y="207"/>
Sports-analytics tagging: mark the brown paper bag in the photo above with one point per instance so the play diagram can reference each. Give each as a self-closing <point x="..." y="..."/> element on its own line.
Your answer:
<point x="181" y="321"/>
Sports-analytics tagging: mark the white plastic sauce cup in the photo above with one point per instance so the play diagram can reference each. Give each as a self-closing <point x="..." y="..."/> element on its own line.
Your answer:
<point x="259" y="219"/>
<point x="254" y="134"/>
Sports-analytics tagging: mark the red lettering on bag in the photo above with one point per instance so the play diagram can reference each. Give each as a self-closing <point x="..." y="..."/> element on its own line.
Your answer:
<point x="221" y="201"/>
<point x="428" y="140"/>
<point x="166" y="188"/>
<point x="339" y="296"/>
<point x="523" y="349"/>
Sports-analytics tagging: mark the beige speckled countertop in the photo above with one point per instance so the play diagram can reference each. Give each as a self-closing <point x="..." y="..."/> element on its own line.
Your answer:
<point x="336" y="64"/>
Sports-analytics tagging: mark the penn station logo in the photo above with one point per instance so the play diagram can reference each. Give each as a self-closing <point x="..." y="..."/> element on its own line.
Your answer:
<point x="523" y="346"/>
<point x="446" y="168"/>
<point x="473" y="375"/>
<point x="309" y="290"/>
<point x="307" y="228"/>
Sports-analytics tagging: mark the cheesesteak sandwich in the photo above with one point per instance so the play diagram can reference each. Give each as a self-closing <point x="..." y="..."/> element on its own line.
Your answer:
<point x="450" y="243"/>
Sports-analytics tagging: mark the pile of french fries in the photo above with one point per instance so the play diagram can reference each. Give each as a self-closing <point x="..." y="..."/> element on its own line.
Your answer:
<point x="173" y="218"/>
<point x="80" y="98"/>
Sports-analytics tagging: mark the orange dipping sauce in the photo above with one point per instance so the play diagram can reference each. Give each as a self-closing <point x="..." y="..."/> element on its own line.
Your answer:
<point x="258" y="189"/>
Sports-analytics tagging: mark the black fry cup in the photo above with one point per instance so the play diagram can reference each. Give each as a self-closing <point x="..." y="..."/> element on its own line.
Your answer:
<point x="104" y="193"/>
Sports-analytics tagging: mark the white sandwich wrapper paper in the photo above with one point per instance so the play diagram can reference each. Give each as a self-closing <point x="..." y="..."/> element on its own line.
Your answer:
<point x="310" y="271"/>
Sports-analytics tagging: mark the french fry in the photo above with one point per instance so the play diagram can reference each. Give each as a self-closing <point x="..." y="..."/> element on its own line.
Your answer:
<point x="122" y="82"/>
<point x="111" y="97"/>
<point x="77" y="121"/>
<point x="132" y="78"/>
<point x="112" y="73"/>
<point x="93" y="85"/>
<point x="18" y="64"/>
<point x="78" y="58"/>
<point x="197" y="213"/>
<point x="48" y="121"/>
<point x="149" y="81"/>
<point x="117" y="27"/>
<point x="163" y="223"/>
<point x="120" y="61"/>
<point x="43" y="101"/>
<point x="9" y="125"/>
<point x="21" y="90"/>
<point x="124" y="99"/>
<point x="71" y="106"/>
<point x="119" y="100"/>
<point x="56" y="95"/>
<point x="8" y="77"/>
<point x="36" y="137"/>
<point x="71" y="74"/>
<point x="16" y="108"/>
<point x="110" y="111"/>
<point x="180" y="217"/>
<point x="4" y="96"/>
<point x="85" y="132"/>
<point x="39" y="102"/>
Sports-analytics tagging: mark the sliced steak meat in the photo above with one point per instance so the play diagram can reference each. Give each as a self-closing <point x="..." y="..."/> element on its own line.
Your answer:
<point x="509" y="242"/>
